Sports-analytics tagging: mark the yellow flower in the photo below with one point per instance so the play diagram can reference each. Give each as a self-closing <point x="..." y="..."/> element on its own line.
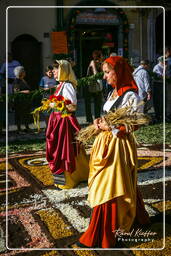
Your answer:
<point x="60" y="105"/>
<point x="42" y="173"/>
<point x="57" y="227"/>
<point x="45" y="105"/>
<point x="53" y="100"/>
<point x="3" y="166"/>
<point x="65" y="114"/>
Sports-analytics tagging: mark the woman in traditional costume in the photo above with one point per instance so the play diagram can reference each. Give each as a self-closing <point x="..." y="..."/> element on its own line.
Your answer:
<point x="66" y="157"/>
<point x="112" y="182"/>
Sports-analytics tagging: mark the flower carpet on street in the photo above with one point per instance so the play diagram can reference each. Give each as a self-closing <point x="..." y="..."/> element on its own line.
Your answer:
<point x="51" y="221"/>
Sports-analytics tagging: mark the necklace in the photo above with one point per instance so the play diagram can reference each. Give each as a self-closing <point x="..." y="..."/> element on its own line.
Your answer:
<point x="114" y="94"/>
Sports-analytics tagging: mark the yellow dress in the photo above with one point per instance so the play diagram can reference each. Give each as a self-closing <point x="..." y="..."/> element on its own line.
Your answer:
<point x="113" y="174"/>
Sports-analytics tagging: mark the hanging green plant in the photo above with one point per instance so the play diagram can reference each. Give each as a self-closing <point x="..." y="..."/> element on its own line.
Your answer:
<point x="84" y="81"/>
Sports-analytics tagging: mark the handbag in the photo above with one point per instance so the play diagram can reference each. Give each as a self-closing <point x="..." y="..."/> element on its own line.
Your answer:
<point x="94" y="86"/>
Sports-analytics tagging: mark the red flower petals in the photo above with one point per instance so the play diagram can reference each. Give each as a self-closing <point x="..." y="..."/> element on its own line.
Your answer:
<point x="58" y="98"/>
<point x="67" y="102"/>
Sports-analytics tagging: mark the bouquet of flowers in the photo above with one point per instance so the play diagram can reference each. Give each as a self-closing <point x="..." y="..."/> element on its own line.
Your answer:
<point x="53" y="104"/>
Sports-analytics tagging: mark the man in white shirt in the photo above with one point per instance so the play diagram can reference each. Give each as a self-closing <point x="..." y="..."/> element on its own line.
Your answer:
<point x="12" y="64"/>
<point x="142" y="79"/>
<point x="159" y="68"/>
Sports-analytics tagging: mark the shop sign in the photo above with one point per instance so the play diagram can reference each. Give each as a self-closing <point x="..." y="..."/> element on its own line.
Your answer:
<point x="59" y="42"/>
<point x="97" y="18"/>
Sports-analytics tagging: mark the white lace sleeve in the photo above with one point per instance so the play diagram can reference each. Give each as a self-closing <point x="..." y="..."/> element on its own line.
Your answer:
<point x="69" y="93"/>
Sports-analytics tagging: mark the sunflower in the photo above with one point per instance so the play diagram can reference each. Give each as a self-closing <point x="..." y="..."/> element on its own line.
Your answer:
<point x="45" y="104"/>
<point x="53" y="100"/>
<point x="60" y="106"/>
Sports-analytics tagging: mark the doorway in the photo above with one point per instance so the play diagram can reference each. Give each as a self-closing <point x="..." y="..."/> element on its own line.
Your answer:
<point x="88" y="39"/>
<point x="27" y="50"/>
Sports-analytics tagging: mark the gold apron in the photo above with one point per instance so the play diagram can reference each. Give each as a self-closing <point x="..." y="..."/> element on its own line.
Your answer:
<point x="113" y="174"/>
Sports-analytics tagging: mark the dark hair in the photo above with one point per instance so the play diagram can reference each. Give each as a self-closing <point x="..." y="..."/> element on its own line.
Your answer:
<point x="55" y="64"/>
<point x="97" y="53"/>
<point x="167" y="48"/>
<point x="50" y="67"/>
<point x="144" y="62"/>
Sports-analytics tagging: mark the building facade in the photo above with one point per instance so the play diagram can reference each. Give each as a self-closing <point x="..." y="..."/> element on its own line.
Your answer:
<point x="36" y="34"/>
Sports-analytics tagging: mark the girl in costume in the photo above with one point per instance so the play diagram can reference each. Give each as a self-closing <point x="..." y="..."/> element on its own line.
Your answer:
<point x="66" y="157"/>
<point x="113" y="192"/>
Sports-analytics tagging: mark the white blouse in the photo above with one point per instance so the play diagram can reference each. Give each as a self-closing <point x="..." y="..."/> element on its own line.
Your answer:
<point x="68" y="92"/>
<point x="130" y="98"/>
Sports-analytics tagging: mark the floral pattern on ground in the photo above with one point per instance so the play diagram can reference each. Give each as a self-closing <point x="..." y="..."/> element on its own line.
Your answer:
<point x="55" y="219"/>
<point x="3" y="166"/>
<point x="56" y="225"/>
<point x="83" y="252"/>
<point x="52" y="253"/>
<point x="159" y="206"/>
<point x="147" y="162"/>
<point x="41" y="171"/>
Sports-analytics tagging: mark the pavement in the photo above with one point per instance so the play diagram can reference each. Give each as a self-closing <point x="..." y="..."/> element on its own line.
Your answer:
<point x="43" y="218"/>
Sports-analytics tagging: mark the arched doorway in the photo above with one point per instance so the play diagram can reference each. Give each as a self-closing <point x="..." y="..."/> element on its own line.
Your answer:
<point x="92" y="29"/>
<point x="27" y="50"/>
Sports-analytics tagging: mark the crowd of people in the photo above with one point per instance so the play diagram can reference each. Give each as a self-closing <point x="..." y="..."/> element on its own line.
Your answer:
<point x="149" y="79"/>
<point x="111" y="172"/>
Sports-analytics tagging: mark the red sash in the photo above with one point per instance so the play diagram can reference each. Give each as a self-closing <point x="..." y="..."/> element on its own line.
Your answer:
<point x="58" y="88"/>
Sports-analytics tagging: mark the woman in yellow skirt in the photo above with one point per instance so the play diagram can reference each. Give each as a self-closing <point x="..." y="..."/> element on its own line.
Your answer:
<point x="112" y="182"/>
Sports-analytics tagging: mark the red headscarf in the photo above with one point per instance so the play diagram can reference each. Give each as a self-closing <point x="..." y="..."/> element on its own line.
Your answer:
<point x="125" y="80"/>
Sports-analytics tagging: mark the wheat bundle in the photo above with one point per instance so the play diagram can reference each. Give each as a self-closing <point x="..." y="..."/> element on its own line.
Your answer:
<point x="123" y="116"/>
